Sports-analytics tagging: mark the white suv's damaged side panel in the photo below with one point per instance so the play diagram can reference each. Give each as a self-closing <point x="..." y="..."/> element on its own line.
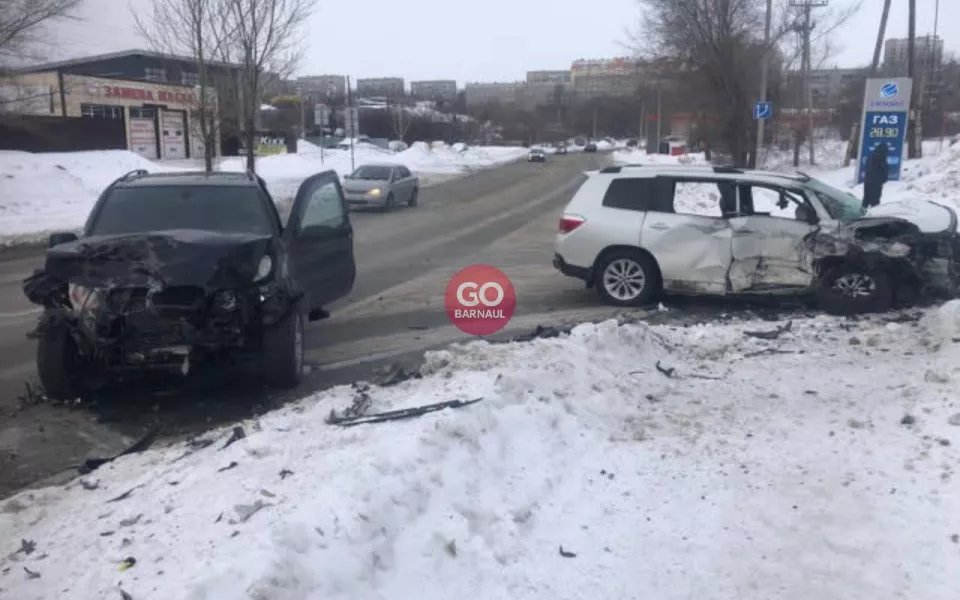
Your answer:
<point x="604" y="227"/>
<point x="770" y="253"/>
<point x="694" y="252"/>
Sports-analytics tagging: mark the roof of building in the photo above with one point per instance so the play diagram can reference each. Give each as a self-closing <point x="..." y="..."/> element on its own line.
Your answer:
<point x="52" y="66"/>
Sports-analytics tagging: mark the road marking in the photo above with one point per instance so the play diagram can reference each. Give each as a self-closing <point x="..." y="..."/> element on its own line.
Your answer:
<point x="19" y="314"/>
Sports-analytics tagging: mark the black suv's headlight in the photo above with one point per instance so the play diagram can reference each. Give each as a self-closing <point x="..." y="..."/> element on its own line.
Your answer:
<point x="264" y="269"/>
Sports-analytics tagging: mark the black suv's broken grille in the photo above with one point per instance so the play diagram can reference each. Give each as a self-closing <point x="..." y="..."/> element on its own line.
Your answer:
<point x="175" y="298"/>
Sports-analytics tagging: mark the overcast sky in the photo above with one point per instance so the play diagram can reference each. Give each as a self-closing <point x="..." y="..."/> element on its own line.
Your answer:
<point x="486" y="40"/>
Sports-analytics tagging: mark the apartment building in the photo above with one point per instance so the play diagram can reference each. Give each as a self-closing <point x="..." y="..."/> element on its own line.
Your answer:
<point x="440" y="89"/>
<point x="927" y="52"/>
<point x="826" y="86"/>
<point x="555" y="77"/>
<point x="323" y="85"/>
<point x="386" y="87"/>
<point x="485" y="93"/>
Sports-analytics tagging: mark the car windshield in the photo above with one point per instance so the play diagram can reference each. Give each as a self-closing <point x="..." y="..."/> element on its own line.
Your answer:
<point x="225" y="209"/>
<point x="372" y="173"/>
<point x="842" y="206"/>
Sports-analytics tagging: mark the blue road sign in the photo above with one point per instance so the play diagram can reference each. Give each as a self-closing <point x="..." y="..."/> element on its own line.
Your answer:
<point x="762" y="111"/>
<point x="890" y="128"/>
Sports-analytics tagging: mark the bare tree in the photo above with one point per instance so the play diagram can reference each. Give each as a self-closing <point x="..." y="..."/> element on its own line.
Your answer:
<point x="713" y="42"/>
<point x="400" y="120"/>
<point x="266" y="42"/>
<point x="22" y="22"/>
<point x="194" y="29"/>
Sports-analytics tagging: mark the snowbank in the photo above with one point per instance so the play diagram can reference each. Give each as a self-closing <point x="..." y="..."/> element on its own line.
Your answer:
<point x="634" y="156"/>
<point x="694" y="462"/>
<point x="54" y="191"/>
<point x="935" y="177"/>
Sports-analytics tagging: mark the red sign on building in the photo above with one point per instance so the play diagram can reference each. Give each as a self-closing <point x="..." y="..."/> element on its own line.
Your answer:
<point x="142" y="94"/>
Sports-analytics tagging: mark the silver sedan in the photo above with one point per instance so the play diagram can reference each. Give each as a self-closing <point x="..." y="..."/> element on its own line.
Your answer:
<point x="381" y="186"/>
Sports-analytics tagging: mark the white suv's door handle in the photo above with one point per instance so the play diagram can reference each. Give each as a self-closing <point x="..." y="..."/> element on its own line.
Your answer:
<point x="659" y="226"/>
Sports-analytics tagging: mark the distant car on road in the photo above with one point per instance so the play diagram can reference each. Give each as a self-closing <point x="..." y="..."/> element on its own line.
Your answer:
<point x="561" y="149"/>
<point x="382" y="186"/>
<point x="537" y="155"/>
<point x="178" y="270"/>
<point x="590" y="147"/>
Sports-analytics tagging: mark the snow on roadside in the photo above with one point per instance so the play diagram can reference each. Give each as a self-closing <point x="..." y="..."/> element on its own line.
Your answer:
<point x="634" y="156"/>
<point x="817" y="464"/>
<point x="55" y="191"/>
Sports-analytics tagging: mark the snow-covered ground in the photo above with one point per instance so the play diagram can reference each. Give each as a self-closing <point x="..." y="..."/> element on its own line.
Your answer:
<point x="619" y="461"/>
<point x="40" y="193"/>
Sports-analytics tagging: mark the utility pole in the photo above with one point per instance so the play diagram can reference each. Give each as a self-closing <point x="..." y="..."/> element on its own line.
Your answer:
<point x="303" y="112"/>
<point x="349" y="111"/>
<point x="938" y="65"/>
<point x="911" y="70"/>
<point x="853" y="150"/>
<point x="659" y="118"/>
<point x="764" y="67"/>
<point x="643" y="119"/>
<point x="808" y="6"/>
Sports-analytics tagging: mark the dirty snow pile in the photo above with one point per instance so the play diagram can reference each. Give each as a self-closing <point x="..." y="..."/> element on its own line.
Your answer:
<point x="53" y="191"/>
<point x="700" y="462"/>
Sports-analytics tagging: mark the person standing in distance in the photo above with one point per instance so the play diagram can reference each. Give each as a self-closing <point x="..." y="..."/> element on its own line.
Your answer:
<point x="875" y="176"/>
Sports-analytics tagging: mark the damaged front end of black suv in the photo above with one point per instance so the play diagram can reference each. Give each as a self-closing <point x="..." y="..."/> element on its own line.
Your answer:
<point x="121" y="304"/>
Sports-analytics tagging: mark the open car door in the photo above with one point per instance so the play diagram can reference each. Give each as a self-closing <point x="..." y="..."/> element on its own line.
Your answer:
<point x="319" y="241"/>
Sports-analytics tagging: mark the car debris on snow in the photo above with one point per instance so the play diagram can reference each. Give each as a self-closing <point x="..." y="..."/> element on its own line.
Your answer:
<point x="31" y="574"/>
<point x="396" y="415"/>
<point x="245" y="511"/>
<point x="236" y="435"/>
<point x="770" y="335"/>
<point x="232" y="465"/>
<point x="144" y="443"/>
<point x="567" y="553"/>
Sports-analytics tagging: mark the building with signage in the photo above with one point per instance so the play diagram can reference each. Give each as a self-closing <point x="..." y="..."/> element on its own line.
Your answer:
<point x="155" y="95"/>
<point x="441" y="89"/>
<point x="381" y="87"/>
<point x="158" y="118"/>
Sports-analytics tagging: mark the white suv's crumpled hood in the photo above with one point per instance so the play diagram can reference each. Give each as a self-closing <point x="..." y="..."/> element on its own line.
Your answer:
<point x="930" y="217"/>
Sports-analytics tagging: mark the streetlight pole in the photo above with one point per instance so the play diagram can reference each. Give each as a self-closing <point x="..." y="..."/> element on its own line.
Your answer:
<point x="764" y="67"/>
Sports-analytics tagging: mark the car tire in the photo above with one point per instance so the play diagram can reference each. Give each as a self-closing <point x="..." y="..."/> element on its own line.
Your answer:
<point x="850" y="289"/>
<point x="627" y="278"/>
<point x="413" y="198"/>
<point x="58" y="364"/>
<point x="282" y="357"/>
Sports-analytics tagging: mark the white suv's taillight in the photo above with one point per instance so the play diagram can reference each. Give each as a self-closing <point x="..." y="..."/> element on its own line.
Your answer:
<point x="570" y="222"/>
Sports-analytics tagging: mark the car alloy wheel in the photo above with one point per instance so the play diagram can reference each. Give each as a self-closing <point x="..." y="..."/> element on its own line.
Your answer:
<point x="855" y="286"/>
<point x="624" y="279"/>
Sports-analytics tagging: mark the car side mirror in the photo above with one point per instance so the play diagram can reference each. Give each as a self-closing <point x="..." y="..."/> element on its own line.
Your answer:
<point x="61" y="237"/>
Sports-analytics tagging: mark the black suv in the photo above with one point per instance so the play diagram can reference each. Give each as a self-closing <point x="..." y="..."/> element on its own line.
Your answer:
<point x="179" y="269"/>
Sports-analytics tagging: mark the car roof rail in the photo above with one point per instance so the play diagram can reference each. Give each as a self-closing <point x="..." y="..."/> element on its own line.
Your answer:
<point x="611" y="169"/>
<point x="134" y="173"/>
<point x="251" y="175"/>
<point x="727" y="169"/>
<point x="804" y="176"/>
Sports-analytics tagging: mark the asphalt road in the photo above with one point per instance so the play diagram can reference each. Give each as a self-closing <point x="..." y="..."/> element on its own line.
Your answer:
<point x="505" y="216"/>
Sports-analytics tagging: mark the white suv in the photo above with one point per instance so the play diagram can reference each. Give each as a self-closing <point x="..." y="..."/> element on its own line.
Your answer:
<point x="636" y="231"/>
